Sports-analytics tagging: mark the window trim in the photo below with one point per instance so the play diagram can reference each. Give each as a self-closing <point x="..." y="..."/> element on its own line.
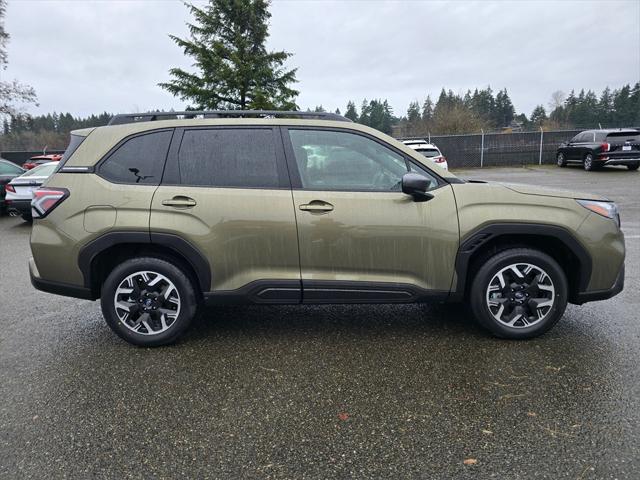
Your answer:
<point x="296" y="181"/>
<point x="172" y="177"/>
<point x="116" y="147"/>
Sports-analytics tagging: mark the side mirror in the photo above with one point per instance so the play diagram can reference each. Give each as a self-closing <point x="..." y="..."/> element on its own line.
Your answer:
<point x="416" y="185"/>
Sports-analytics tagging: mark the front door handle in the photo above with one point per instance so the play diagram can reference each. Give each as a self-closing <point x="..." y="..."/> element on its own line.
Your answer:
<point x="180" y="201"/>
<point x="317" y="206"/>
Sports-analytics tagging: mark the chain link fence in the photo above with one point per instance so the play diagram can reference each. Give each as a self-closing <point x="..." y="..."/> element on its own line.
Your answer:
<point x="500" y="149"/>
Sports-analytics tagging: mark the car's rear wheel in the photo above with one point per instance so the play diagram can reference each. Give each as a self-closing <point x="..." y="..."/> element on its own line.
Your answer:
<point x="587" y="163"/>
<point x="148" y="301"/>
<point x="633" y="166"/>
<point x="519" y="293"/>
<point x="561" y="160"/>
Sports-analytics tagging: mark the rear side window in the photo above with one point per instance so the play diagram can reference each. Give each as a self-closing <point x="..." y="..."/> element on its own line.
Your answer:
<point x="138" y="160"/>
<point x="8" y="169"/>
<point x="229" y="157"/>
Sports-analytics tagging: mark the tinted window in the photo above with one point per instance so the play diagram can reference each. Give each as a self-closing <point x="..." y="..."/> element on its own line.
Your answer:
<point x="9" y="169"/>
<point x="139" y="160"/>
<point x="329" y="160"/>
<point x="229" y="157"/>
<point x="586" y="137"/>
<point x="74" y="143"/>
<point x="428" y="152"/>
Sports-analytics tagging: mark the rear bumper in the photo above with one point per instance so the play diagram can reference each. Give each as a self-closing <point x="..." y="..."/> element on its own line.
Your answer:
<point x="21" y="206"/>
<point x="621" y="161"/>
<point x="596" y="295"/>
<point x="57" y="288"/>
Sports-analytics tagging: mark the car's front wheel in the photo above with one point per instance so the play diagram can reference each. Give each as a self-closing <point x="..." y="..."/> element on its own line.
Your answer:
<point x="148" y="301"/>
<point x="633" y="166"/>
<point x="519" y="293"/>
<point x="561" y="160"/>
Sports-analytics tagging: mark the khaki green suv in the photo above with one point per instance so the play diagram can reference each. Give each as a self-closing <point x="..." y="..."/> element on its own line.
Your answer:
<point x="157" y="214"/>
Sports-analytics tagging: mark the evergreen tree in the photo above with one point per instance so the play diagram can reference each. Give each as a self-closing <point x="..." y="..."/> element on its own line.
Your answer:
<point x="605" y="107"/>
<point x="504" y="111"/>
<point x="351" y="113"/>
<point x="538" y="116"/>
<point x="427" y="109"/>
<point x="365" y="113"/>
<point x="235" y="70"/>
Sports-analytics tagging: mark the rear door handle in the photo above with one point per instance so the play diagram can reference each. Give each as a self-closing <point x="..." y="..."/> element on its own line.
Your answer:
<point x="316" y="206"/>
<point x="180" y="202"/>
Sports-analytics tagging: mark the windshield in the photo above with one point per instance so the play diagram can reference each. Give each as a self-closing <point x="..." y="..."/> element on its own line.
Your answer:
<point x="428" y="152"/>
<point x="42" y="170"/>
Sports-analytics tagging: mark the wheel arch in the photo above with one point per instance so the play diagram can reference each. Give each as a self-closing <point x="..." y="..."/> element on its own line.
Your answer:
<point x="553" y="240"/>
<point x="98" y="258"/>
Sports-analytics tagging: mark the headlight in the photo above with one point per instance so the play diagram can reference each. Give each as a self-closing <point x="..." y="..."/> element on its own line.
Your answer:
<point x="606" y="209"/>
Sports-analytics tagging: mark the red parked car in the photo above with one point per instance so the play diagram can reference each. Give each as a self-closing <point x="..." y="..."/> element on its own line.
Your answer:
<point x="40" y="159"/>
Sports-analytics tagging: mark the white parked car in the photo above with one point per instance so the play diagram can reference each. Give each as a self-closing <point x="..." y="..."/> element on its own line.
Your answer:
<point x="429" y="150"/>
<point x="20" y="189"/>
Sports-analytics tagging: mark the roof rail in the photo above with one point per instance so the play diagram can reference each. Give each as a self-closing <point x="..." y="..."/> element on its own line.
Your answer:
<point x="123" y="118"/>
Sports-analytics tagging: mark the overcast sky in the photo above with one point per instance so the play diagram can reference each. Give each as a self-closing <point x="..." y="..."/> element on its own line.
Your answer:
<point x="92" y="56"/>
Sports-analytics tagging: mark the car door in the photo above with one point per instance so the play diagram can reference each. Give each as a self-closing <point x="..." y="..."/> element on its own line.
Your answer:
<point x="226" y="191"/>
<point x="360" y="237"/>
<point x="572" y="150"/>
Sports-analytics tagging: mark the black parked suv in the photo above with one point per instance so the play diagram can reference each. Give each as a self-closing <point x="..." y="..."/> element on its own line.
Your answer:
<point x="596" y="148"/>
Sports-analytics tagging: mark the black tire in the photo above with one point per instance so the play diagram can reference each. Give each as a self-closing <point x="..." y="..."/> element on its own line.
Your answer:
<point x="588" y="163"/>
<point x="27" y="218"/>
<point x="186" y="295"/>
<point x="561" y="160"/>
<point x="479" y="296"/>
<point x="633" y="166"/>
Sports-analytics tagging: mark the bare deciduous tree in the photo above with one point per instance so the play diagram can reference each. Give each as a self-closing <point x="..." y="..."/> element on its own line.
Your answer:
<point x="12" y="93"/>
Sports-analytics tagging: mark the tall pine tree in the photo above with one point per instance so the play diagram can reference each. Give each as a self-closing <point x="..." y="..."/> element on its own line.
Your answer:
<point x="234" y="68"/>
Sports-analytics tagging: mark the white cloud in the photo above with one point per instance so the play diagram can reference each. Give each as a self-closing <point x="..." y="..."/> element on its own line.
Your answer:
<point x="87" y="57"/>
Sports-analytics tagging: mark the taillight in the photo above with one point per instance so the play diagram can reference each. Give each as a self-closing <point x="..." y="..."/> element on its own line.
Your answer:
<point x="28" y="165"/>
<point x="46" y="199"/>
<point x="605" y="147"/>
<point x="9" y="188"/>
<point x="440" y="159"/>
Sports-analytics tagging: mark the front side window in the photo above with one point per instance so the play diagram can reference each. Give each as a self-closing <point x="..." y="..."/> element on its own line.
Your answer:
<point x="330" y="160"/>
<point x="138" y="160"/>
<point x="229" y="157"/>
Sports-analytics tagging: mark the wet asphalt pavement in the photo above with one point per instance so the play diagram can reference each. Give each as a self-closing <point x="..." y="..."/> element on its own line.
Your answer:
<point x="324" y="392"/>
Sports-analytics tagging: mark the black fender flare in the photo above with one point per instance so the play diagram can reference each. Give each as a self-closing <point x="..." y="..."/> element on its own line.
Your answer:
<point x="479" y="237"/>
<point x="177" y="244"/>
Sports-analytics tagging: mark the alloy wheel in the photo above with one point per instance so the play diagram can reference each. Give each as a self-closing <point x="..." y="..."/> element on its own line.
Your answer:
<point x="520" y="295"/>
<point x="147" y="303"/>
<point x="588" y="162"/>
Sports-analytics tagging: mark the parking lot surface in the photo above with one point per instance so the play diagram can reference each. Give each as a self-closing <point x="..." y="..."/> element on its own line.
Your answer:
<point x="324" y="391"/>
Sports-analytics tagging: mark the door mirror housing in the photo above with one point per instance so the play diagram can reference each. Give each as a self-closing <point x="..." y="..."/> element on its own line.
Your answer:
<point x="416" y="185"/>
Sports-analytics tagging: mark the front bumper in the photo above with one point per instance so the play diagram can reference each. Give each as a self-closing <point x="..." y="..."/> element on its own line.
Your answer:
<point x="596" y="295"/>
<point x="57" y="288"/>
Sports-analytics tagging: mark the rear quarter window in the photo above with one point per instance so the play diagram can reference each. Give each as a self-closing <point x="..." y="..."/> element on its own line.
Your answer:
<point x="74" y="142"/>
<point x="138" y="160"/>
